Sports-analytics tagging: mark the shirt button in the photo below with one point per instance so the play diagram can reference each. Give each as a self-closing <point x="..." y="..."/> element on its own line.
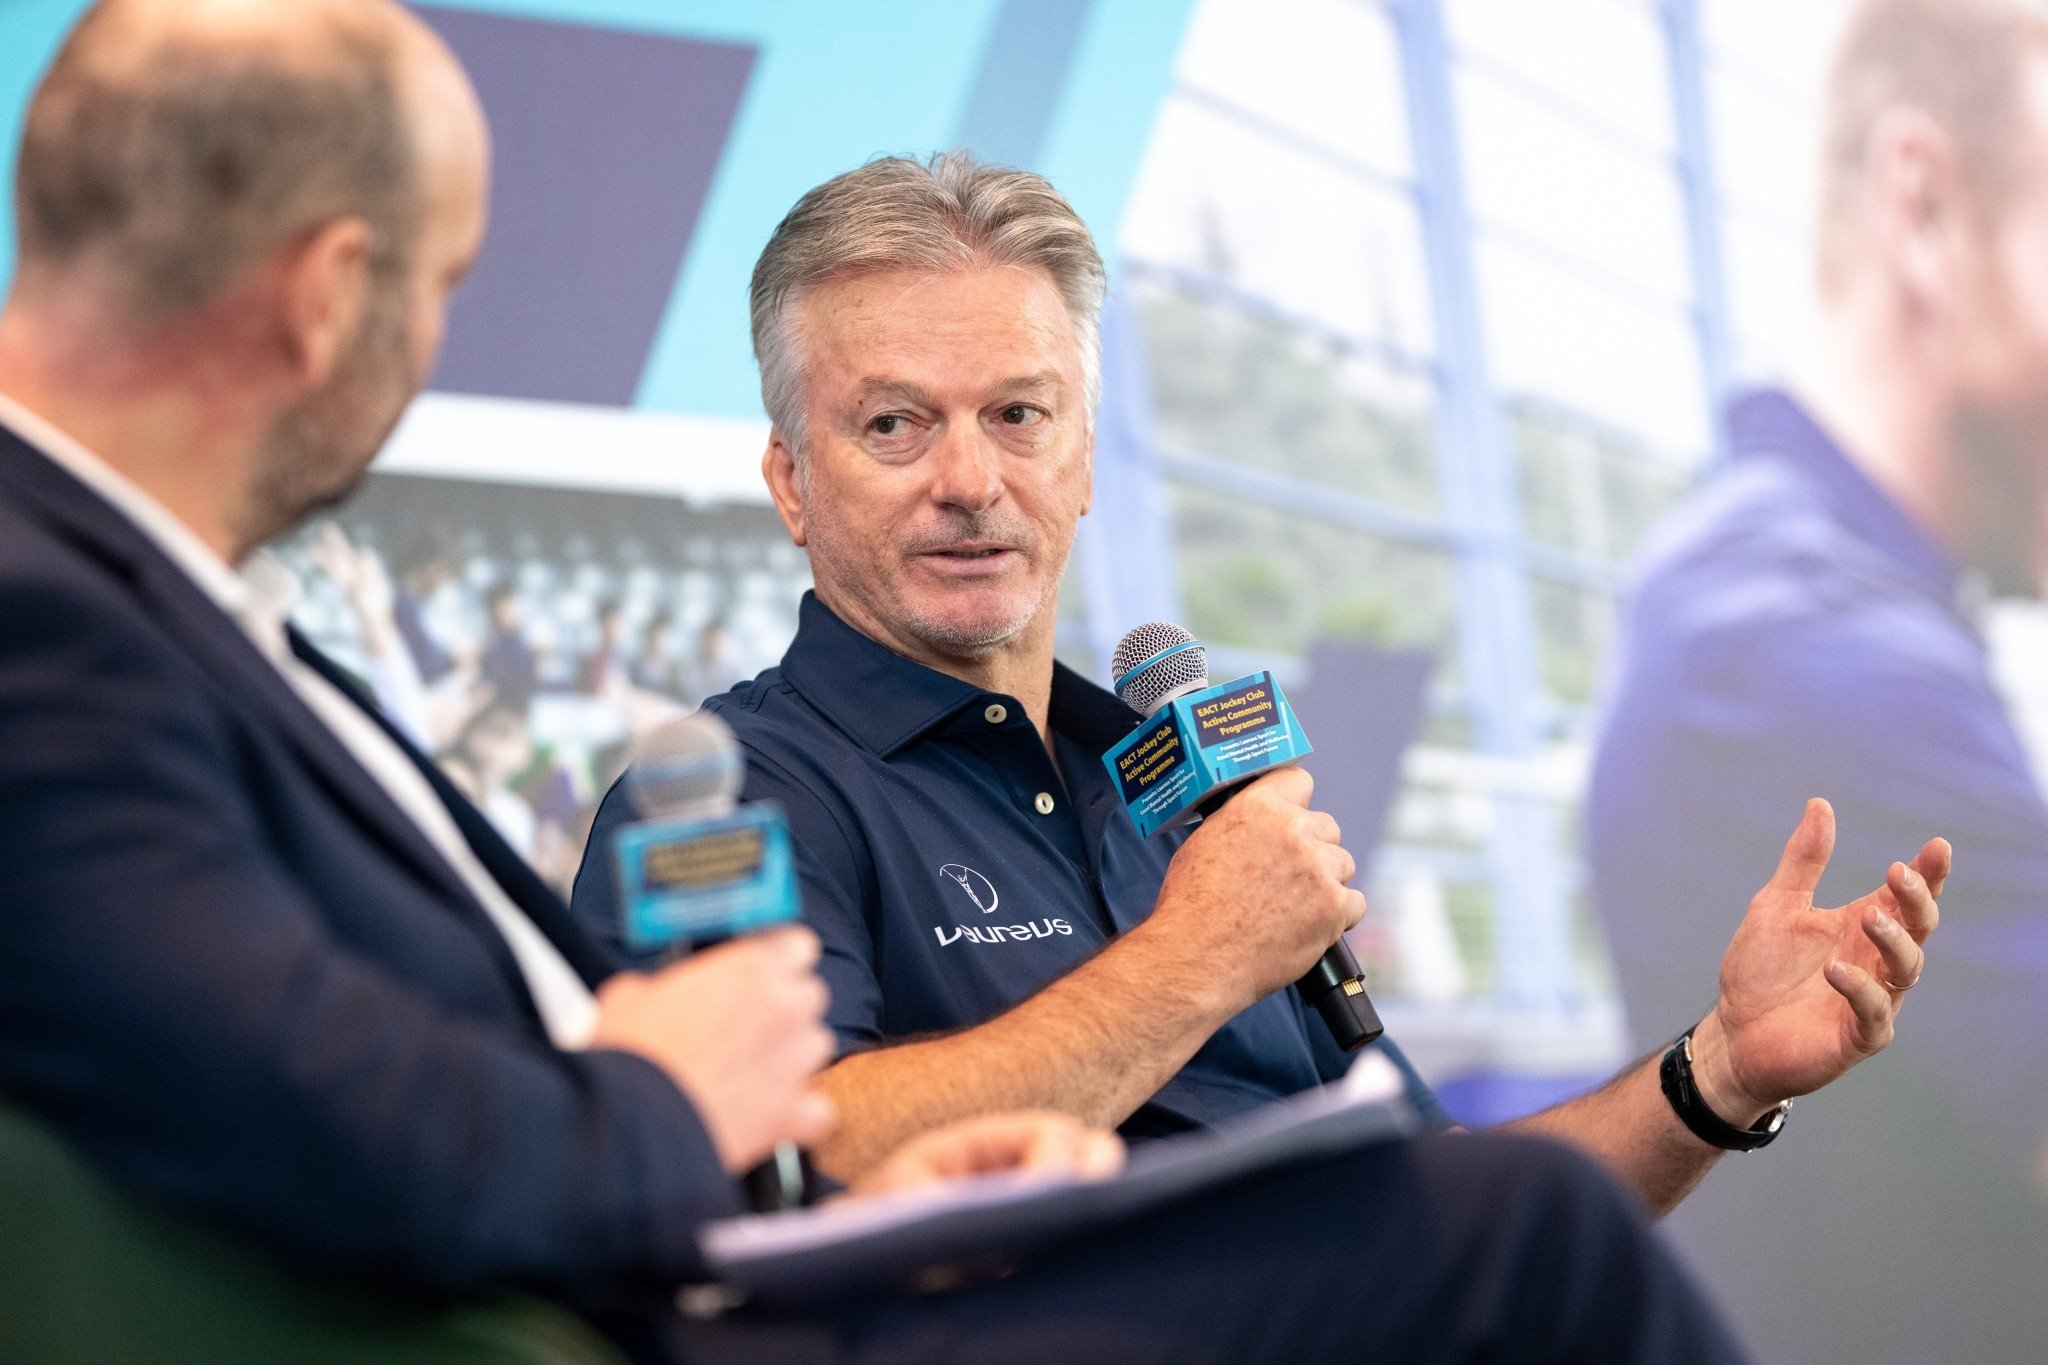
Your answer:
<point x="996" y="714"/>
<point x="1042" y="803"/>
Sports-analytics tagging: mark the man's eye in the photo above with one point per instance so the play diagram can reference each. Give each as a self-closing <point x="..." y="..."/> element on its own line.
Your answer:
<point x="1018" y="414"/>
<point x="888" y="424"/>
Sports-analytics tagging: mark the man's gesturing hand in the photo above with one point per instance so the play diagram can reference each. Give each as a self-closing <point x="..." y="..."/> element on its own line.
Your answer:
<point x="1258" y="893"/>
<point x="740" y="1029"/>
<point x="1807" y="993"/>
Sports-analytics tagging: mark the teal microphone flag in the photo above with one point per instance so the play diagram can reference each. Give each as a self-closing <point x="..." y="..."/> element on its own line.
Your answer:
<point x="700" y="868"/>
<point x="1199" y="742"/>
<point x="700" y="881"/>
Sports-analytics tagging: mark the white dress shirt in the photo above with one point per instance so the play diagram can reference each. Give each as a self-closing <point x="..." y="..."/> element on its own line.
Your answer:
<point x="258" y="602"/>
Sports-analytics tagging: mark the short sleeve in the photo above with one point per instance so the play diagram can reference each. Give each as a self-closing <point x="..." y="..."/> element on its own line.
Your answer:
<point x="595" y="898"/>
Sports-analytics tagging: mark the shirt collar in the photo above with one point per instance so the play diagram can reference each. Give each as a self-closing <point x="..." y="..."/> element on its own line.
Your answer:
<point x="1770" y="424"/>
<point x="1087" y="713"/>
<point x="179" y="542"/>
<point x="888" y="702"/>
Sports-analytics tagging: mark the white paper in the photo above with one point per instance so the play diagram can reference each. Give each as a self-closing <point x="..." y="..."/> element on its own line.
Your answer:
<point x="850" y="1245"/>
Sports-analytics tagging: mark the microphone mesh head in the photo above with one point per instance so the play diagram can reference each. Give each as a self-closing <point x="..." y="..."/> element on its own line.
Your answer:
<point x="690" y="767"/>
<point x="1143" y="679"/>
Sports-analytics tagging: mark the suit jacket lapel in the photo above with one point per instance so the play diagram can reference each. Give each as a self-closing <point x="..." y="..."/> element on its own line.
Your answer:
<point x="512" y="872"/>
<point x="195" y="624"/>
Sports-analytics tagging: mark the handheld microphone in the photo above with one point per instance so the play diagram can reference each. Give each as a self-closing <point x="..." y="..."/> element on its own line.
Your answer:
<point x="698" y="868"/>
<point x="1202" y="742"/>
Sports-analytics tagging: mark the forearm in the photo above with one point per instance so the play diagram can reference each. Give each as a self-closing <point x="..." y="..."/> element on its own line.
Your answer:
<point x="1095" y="1045"/>
<point x="1629" y="1127"/>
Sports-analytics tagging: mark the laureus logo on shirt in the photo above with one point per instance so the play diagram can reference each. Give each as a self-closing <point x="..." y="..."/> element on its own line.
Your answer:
<point x="978" y="888"/>
<point x="982" y="892"/>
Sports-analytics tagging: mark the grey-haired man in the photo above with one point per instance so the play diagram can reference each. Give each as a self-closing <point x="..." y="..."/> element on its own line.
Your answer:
<point x="928" y="342"/>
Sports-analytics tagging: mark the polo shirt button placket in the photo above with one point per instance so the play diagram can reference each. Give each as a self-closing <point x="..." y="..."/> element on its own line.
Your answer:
<point x="996" y="713"/>
<point x="1042" y="803"/>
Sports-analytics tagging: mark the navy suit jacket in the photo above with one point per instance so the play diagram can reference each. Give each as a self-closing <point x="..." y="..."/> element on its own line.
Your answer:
<point x="237" y="977"/>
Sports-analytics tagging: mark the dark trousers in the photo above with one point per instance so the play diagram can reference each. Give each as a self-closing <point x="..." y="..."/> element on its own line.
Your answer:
<point x="1446" y="1249"/>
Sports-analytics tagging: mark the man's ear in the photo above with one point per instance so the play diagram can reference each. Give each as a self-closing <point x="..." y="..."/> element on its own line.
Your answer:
<point x="323" y="291"/>
<point x="778" y="467"/>
<point x="1919" y="206"/>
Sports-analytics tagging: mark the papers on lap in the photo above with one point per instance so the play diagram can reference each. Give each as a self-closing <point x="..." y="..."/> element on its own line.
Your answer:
<point x="920" y="1236"/>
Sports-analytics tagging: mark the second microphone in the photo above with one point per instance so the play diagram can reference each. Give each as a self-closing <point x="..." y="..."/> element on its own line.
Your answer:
<point x="1201" y="742"/>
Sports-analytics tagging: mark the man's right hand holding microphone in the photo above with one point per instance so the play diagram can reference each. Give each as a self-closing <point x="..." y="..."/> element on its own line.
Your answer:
<point x="1258" y="892"/>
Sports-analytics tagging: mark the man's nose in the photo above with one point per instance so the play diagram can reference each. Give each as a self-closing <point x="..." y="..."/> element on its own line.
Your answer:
<point x="968" y="472"/>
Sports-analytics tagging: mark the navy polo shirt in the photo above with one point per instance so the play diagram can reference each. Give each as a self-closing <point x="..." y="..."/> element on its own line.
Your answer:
<point x="951" y="871"/>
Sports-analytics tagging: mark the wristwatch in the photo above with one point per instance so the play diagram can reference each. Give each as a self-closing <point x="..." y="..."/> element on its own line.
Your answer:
<point x="1706" y="1125"/>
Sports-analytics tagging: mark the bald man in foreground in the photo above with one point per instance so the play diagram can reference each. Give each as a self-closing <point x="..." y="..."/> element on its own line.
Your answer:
<point x="260" y="962"/>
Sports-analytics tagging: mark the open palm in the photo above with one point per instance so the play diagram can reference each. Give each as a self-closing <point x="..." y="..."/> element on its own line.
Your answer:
<point x="1807" y="992"/>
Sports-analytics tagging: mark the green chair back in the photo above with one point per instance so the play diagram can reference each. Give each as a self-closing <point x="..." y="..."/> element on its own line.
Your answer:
<point x="92" y="1275"/>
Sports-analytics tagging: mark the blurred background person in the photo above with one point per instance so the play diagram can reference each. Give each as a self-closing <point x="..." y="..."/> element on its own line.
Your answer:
<point x="509" y="664"/>
<point x="428" y="710"/>
<point x="428" y="562"/>
<point x="604" y="671"/>
<point x="1812" y="619"/>
<point x="655" y="667"/>
<point x="532" y="797"/>
<point x="713" y="665"/>
<point x="389" y="665"/>
<point x="493" y="750"/>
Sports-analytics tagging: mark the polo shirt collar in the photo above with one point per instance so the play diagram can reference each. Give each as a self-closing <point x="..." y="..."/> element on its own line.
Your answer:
<point x="1092" y="716"/>
<point x="887" y="702"/>
<point x="882" y="699"/>
<point x="1771" y="424"/>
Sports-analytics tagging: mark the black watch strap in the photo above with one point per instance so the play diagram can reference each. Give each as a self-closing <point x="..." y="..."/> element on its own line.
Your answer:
<point x="1709" y="1127"/>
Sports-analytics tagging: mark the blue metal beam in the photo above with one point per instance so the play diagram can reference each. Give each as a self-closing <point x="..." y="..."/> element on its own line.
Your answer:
<point x="1124" y="550"/>
<point x="1681" y="19"/>
<point x="1530" y="878"/>
<point x="1475" y="454"/>
<point x="1024" y="69"/>
<point x="1318" y="501"/>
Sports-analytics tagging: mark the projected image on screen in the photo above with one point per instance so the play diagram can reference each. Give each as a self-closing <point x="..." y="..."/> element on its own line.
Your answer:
<point x="525" y="636"/>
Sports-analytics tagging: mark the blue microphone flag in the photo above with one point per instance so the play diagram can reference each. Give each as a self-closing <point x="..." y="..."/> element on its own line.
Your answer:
<point x="1200" y="741"/>
<point x="700" y="868"/>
